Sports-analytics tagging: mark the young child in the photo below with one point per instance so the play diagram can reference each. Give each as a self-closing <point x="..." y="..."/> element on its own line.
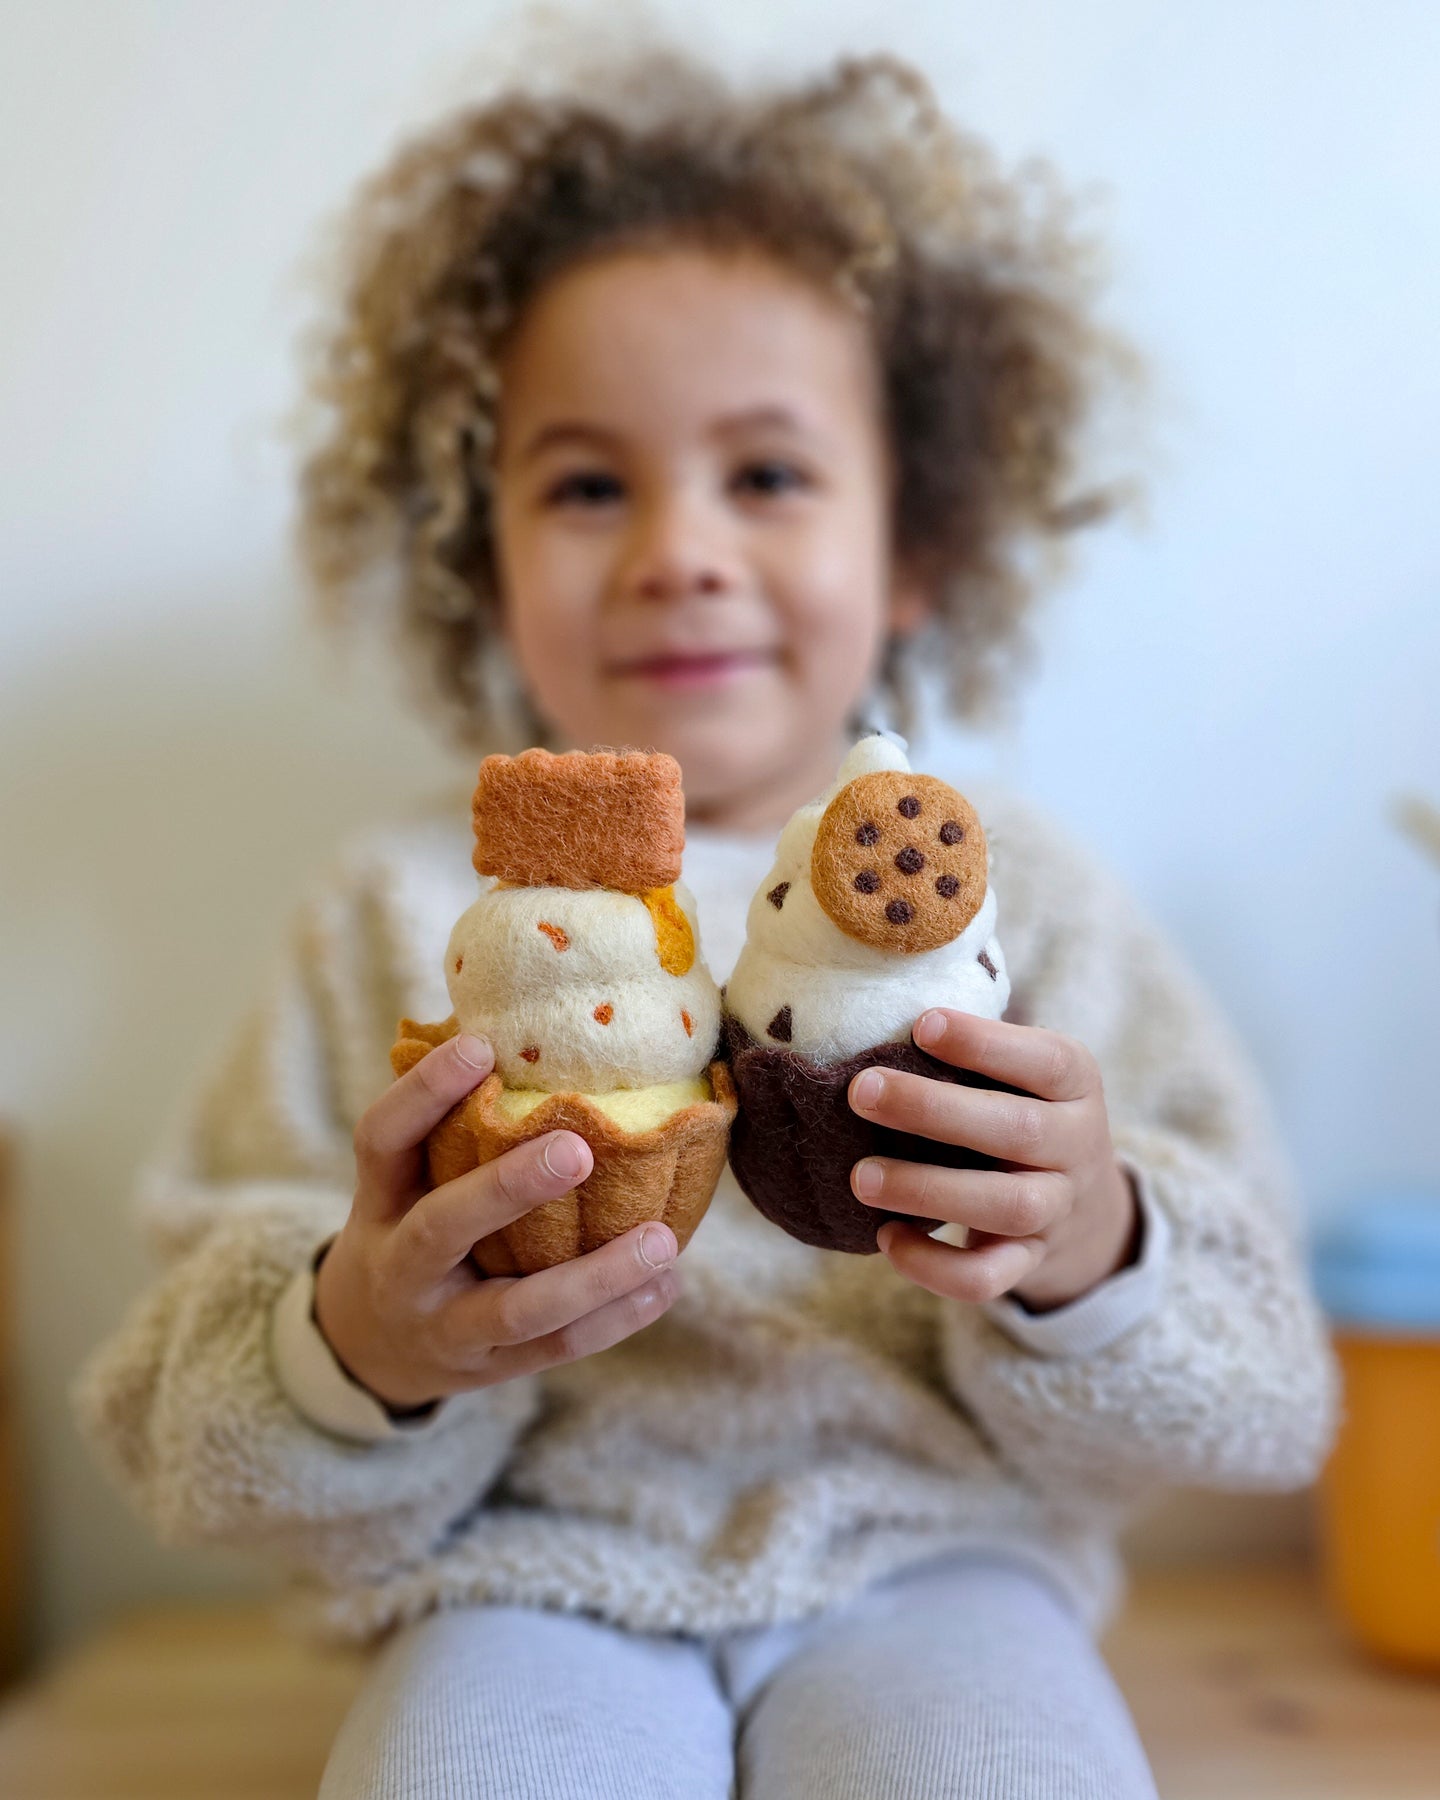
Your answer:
<point x="691" y="422"/>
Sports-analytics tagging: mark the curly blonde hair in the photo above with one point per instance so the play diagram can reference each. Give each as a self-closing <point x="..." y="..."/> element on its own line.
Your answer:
<point x="976" y="289"/>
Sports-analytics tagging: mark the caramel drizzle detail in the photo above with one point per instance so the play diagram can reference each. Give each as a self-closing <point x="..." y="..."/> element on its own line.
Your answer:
<point x="674" y="940"/>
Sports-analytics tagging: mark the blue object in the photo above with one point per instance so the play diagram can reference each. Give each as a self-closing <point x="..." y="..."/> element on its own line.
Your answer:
<point x="1378" y="1267"/>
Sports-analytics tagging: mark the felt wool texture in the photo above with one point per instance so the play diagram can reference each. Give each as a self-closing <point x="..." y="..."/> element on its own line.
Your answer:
<point x="798" y="1424"/>
<point x="832" y="993"/>
<point x="838" y="1010"/>
<point x="836" y="968"/>
<point x="666" y="1173"/>
<point x="632" y="1109"/>
<point x="899" y="861"/>
<point x="576" y="820"/>
<point x="796" y="1138"/>
<point x="570" y="989"/>
<point x="674" y="935"/>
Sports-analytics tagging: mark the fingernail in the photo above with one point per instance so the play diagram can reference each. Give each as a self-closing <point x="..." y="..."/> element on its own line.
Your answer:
<point x="562" y="1157"/>
<point x="868" y="1177"/>
<point x="472" y="1050"/>
<point x="658" y="1246"/>
<point x="868" y="1088"/>
<point x="929" y="1028"/>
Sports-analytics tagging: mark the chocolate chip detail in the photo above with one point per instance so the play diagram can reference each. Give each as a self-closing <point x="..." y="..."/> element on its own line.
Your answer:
<point x="909" y="861"/>
<point x="908" y="808"/>
<point x="899" y="912"/>
<point x="947" y="887"/>
<point x="988" y="966"/>
<point x="869" y="833"/>
<point x="867" y="881"/>
<point x="951" y="833"/>
<point x="781" y="1027"/>
<point x="777" y="894"/>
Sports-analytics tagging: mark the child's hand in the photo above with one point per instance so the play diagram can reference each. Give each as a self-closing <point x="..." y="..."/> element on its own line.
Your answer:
<point x="1056" y="1220"/>
<point x="396" y="1296"/>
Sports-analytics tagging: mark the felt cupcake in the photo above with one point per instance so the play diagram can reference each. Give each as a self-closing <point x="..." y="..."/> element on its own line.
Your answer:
<point x="580" y="963"/>
<point x="879" y="905"/>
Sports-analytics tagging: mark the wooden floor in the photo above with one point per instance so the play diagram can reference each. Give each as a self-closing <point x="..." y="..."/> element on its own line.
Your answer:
<point x="1241" y="1688"/>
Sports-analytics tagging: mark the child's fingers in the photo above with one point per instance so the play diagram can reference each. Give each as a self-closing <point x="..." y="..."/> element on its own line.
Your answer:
<point x="442" y="1227"/>
<point x="595" y="1331"/>
<point x="390" y="1137"/>
<point x="1012" y="1127"/>
<point x="519" y="1310"/>
<point x="976" y="1274"/>
<point x="1018" y="1203"/>
<point x="1025" y="1056"/>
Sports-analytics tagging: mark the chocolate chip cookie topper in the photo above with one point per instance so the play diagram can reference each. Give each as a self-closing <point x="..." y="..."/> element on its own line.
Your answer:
<point x="899" y="861"/>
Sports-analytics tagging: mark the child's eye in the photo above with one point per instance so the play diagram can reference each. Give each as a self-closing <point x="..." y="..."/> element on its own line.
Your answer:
<point x="586" y="487"/>
<point x="771" y="478"/>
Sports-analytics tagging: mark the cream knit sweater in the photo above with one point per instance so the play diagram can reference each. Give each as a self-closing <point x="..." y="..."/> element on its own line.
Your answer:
<point x="801" y="1422"/>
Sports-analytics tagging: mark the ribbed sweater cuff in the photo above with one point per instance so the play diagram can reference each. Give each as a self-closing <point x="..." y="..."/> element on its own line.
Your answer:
<point x="1108" y="1311"/>
<point x="315" y="1382"/>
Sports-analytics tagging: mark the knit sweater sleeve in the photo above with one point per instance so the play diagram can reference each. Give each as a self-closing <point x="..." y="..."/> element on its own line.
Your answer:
<point x="182" y="1404"/>
<point x="1227" y="1379"/>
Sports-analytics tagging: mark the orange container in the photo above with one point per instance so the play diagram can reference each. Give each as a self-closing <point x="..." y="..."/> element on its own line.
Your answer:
<point x="1379" y="1278"/>
<point x="1380" y="1497"/>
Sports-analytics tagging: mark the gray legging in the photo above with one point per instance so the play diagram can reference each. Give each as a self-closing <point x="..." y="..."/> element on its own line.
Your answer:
<point x="966" y="1678"/>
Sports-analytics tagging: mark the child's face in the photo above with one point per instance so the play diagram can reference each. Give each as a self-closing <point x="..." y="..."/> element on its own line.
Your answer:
<point x="693" y="519"/>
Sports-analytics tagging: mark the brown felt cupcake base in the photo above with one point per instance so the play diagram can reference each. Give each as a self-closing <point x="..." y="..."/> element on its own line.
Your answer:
<point x="796" y="1138"/>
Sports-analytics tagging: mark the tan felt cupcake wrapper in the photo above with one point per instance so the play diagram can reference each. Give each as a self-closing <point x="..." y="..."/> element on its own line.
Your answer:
<point x="667" y="1174"/>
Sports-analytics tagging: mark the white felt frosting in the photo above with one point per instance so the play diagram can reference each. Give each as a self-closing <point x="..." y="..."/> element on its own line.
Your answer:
<point x="845" y="996"/>
<point x="520" y="991"/>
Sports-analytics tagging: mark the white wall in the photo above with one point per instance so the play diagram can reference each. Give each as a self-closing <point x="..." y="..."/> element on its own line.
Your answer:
<point x="1230" y="694"/>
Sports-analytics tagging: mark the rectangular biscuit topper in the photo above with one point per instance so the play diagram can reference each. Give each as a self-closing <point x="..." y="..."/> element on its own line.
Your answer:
<point x="599" y="819"/>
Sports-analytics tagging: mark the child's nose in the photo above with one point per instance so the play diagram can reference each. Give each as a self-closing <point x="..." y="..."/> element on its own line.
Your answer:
<point x="677" y="554"/>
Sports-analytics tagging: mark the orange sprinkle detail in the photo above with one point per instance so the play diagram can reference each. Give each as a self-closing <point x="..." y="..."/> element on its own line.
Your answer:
<point x="459" y="964"/>
<point x="557" y="937"/>
<point x="604" y="1012"/>
<point x="687" y="1022"/>
<point x="531" y="1053"/>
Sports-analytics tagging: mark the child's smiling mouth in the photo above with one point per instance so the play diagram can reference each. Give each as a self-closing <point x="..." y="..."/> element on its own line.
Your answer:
<point x="674" y="669"/>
